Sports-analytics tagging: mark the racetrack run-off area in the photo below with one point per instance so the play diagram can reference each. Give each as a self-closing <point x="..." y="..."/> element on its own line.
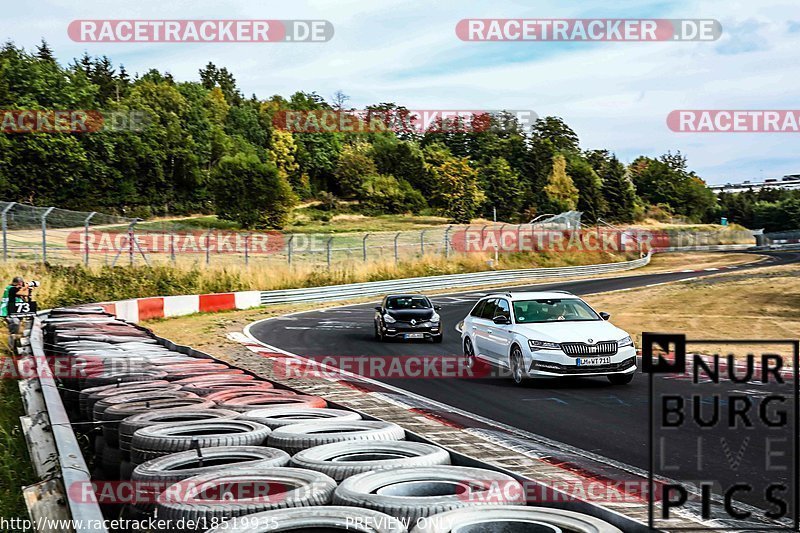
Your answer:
<point x="591" y="423"/>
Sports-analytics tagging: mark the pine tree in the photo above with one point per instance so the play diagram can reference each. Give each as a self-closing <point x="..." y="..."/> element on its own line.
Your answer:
<point x="44" y="52"/>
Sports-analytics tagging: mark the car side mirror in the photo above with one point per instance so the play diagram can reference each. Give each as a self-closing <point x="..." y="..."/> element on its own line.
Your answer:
<point x="378" y="308"/>
<point x="605" y="316"/>
<point x="437" y="307"/>
<point x="501" y="320"/>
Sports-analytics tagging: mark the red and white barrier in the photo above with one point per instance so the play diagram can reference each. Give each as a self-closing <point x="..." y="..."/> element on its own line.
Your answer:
<point x="139" y="309"/>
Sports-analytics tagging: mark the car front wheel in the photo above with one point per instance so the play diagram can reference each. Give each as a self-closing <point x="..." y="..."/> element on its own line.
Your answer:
<point x="517" y="366"/>
<point x="469" y="354"/>
<point x="620" y="379"/>
<point x="378" y="334"/>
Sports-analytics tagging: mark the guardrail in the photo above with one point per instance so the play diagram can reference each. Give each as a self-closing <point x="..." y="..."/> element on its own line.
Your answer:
<point x="70" y="464"/>
<point x="450" y="281"/>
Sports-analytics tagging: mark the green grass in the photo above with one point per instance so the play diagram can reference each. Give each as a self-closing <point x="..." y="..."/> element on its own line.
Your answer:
<point x="15" y="467"/>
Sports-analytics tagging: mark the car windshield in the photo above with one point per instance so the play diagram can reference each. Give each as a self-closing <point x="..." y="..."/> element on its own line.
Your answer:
<point x="408" y="302"/>
<point x="553" y="310"/>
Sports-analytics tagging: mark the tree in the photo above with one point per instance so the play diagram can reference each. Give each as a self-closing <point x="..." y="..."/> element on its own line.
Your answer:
<point x="283" y="154"/>
<point x="590" y="196"/>
<point x="381" y="193"/>
<point x="456" y="189"/>
<point x="561" y="193"/>
<point x="402" y="159"/>
<point x="666" y="180"/>
<point x="44" y="52"/>
<point x="501" y="185"/>
<point x="353" y="167"/>
<point x="251" y="192"/>
<point x="556" y="132"/>
<point x="618" y="191"/>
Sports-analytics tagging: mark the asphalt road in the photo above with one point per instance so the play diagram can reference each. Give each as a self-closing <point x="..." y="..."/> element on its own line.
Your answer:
<point x="585" y="413"/>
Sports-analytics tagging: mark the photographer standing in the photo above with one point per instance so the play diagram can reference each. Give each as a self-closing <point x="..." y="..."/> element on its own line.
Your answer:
<point x="16" y="291"/>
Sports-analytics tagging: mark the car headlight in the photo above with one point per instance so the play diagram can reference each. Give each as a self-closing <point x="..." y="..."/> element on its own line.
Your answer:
<point x="435" y="318"/>
<point x="389" y="319"/>
<point x="627" y="341"/>
<point x="543" y="345"/>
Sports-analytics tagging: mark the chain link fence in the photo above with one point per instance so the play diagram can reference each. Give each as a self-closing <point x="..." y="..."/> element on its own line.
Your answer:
<point x="59" y="236"/>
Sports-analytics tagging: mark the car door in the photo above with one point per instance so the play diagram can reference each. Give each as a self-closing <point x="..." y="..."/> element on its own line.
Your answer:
<point x="499" y="335"/>
<point x="481" y="327"/>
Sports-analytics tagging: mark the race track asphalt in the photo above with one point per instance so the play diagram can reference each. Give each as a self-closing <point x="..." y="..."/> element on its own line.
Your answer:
<point x="585" y="413"/>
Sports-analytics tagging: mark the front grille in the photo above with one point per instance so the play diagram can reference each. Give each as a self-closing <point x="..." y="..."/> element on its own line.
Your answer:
<point x="580" y="348"/>
<point x="599" y="369"/>
<point x="406" y="327"/>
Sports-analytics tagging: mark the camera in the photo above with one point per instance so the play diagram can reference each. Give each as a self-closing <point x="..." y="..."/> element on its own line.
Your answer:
<point x="32" y="284"/>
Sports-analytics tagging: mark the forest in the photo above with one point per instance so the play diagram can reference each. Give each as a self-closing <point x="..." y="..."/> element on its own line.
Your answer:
<point x="207" y="148"/>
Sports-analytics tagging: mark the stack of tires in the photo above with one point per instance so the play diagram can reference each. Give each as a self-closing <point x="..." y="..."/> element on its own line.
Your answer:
<point x="208" y="447"/>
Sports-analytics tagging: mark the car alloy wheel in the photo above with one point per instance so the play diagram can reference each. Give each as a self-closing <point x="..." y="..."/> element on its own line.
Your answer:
<point x="516" y="365"/>
<point x="469" y="354"/>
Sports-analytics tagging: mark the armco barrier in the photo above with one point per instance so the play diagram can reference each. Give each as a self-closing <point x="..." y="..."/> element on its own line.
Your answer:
<point x="139" y="309"/>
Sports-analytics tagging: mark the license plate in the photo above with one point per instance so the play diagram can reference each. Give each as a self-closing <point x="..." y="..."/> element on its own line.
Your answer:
<point x="594" y="361"/>
<point x="414" y="336"/>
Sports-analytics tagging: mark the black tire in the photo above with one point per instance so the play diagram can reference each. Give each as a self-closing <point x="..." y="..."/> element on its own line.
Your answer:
<point x="110" y="461"/>
<point x="293" y="488"/>
<point x="152" y="396"/>
<point x="341" y="460"/>
<point x="324" y="518"/>
<point x="167" y="416"/>
<point x="88" y="397"/>
<point x="489" y="516"/>
<point x="117" y="413"/>
<point x="154" y="476"/>
<point x="123" y="377"/>
<point x="275" y="417"/>
<point x="164" y="439"/>
<point x="413" y="493"/>
<point x="379" y="336"/>
<point x="517" y="365"/>
<point x="469" y="354"/>
<point x="297" y="437"/>
<point x="437" y="339"/>
<point x="621" y="379"/>
<point x="125" y="468"/>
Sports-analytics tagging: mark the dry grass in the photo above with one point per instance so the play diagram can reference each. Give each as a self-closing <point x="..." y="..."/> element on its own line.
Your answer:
<point x="695" y="260"/>
<point x="755" y="304"/>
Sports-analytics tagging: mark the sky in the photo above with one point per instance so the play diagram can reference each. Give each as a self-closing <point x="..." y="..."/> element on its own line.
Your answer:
<point x="615" y="95"/>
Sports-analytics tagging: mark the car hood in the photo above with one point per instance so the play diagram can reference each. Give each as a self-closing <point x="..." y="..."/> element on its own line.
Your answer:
<point x="564" y="331"/>
<point x="406" y="315"/>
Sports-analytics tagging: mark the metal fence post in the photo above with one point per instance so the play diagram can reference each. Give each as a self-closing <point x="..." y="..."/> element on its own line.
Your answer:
<point x="86" y="238"/>
<point x="44" y="234"/>
<point x="289" y="249"/>
<point x="328" y="250"/>
<point x="422" y="242"/>
<point x="246" y="250"/>
<point x="483" y="237"/>
<point x="447" y="242"/>
<point x="5" y="229"/>
<point x="172" y="247"/>
<point x="396" y="251"/>
<point x="131" y="241"/>
<point x="364" y="246"/>
<point x="208" y="247"/>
